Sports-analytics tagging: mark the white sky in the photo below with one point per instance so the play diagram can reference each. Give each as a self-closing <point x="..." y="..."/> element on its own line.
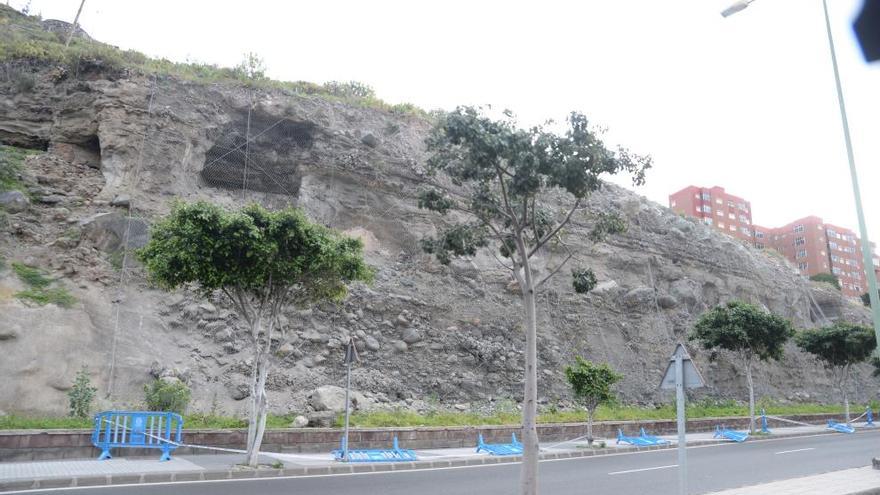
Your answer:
<point x="747" y="103"/>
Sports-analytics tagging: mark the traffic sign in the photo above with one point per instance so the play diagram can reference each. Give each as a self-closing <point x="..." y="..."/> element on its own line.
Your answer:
<point x="692" y="378"/>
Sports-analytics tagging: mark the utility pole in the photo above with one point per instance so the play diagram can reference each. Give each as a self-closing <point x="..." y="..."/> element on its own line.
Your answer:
<point x="75" y="22"/>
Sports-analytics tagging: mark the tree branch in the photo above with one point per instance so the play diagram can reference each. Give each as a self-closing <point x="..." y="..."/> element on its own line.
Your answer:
<point x="555" y="229"/>
<point x="555" y="270"/>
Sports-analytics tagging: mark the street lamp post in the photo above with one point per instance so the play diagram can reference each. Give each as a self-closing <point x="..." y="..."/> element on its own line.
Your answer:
<point x="857" y="195"/>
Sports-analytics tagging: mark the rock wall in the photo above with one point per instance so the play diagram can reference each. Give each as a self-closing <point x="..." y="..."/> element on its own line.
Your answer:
<point x="427" y="333"/>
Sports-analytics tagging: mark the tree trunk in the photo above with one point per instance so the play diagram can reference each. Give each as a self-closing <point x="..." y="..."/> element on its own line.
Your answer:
<point x="590" y="413"/>
<point x="529" y="472"/>
<point x="751" y="396"/>
<point x="259" y="409"/>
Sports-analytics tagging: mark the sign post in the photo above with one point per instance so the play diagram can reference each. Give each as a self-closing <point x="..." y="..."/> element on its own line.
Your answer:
<point x="680" y="374"/>
<point x="350" y="357"/>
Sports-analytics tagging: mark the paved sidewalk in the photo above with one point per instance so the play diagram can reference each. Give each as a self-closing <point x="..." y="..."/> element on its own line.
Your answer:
<point x="858" y="481"/>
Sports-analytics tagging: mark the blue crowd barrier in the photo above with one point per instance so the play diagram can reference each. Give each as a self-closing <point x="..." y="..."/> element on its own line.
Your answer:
<point x="643" y="440"/>
<point x="394" y="454"/>
<point x="764" y="428"/>
<point x="512" y="448"/>
<point x="869" y="417"/>
<point x="727" y="434"/>
<point x="137" y="429"/>
<point x="840" y="427"/>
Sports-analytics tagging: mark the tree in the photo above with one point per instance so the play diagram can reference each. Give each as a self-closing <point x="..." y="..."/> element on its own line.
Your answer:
<point x="591" y="384"/>
<point x="519" y="188"/>
<point x="839" y="347"/>
<point x="81" y="394"/>
<point x="866" y="298"/>
<point x="262" y="262"/>
<point x="828" y="278"/>
<point x="251" y="67"/>
<point x="167" y="394"/>
<point x="746" y="331"/>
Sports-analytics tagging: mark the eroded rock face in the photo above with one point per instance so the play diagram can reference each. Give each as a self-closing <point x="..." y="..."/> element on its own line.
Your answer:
<point x="422" y="329"/>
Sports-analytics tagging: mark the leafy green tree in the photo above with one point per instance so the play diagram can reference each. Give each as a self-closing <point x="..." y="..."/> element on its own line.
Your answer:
<point x="167" y="395"/>
<point x="839" y="347"/>
<point x="252" y="67"/>
<point x="746" y="331"/>
<point x="262" y="262"/>
<point x="81" y="394"/>
<point x="518" y="189"/>
<point x="591" y="384"/>
<point x="828" y="278"/>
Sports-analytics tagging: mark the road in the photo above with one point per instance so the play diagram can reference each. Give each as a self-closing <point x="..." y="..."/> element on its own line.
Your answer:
<point x="654" y="472"/>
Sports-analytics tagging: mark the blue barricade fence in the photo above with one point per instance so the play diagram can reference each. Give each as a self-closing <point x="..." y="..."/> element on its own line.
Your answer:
<point x="138" y="429"/>
<point x="840" y="427"/>
<point x="394" y="454"/>
<point x="764" y="428"/>
<point x="869" y="417"/>
<point x="512" y="448"/>
<point x="643" y="440"/>
<point x="735" y="436"/>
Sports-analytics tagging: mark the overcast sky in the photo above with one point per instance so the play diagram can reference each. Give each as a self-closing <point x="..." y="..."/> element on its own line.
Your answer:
<point x="747" y="102"/>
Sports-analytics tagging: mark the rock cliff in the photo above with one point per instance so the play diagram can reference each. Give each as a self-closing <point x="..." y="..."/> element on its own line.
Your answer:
<point x="116" y="140"/>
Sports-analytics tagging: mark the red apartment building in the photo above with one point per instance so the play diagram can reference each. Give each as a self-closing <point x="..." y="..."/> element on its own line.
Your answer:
<point x="811" y="244"/>
<point x="726" y="212"/>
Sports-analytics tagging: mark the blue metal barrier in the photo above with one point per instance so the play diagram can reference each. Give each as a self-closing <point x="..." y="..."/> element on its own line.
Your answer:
<point x="138" y="429"/>
<point x="840" y="427"/>
<point x="512" y="448"/>
<point x="869" y="417"/>
<point x="395" y="454"/>
<point x="637" y="441"/>
<point x="652" y="438"/>
<point x="735" y="436"/>
<point x="764" y="428"/>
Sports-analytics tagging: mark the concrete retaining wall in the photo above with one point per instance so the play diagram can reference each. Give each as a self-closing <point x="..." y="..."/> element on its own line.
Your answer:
<point x="27" y="445"/>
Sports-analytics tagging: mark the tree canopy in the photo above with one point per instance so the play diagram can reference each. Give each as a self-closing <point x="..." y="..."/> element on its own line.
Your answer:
<point x="253" y="250"/>
<point x="742" y="327"/>
<point x="840" y="344"/>
<point x="591" y="382"/>
<point x="828" y="278"/>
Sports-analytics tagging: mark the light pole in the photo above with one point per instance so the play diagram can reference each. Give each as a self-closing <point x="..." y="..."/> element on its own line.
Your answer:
<point x="868" y="259"/>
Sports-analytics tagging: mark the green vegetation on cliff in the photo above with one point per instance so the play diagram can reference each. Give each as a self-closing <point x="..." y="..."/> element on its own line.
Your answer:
<point x="23" y="39"/>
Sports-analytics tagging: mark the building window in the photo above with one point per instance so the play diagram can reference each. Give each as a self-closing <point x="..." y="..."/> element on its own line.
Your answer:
<point x="707" y="221"/>
<point x="759" y="245"/>
<point x="799" y="241"/>
<point x="731" y="216"/>
<point x="672" y="203"/>
<point x="706" y="197"/>
<point x="719" y="213"/>
<point x="707" y="208"/>
<point x="743" y="219"/>
<point x="831" y="233"/>
<point x="802" y="253"/>
<point x="733" y="228"/>
<point x="759" y="235"/>
<point x="835" y="258"/>
<point x="802" y="266"/>
<point x="742" y="206"/>
<point x="720" y="202"/>
<point x="835" y="270"/>
<point x="798" y="229"/>
<point x="720" y="225"/>
<point x="744" y="230"/>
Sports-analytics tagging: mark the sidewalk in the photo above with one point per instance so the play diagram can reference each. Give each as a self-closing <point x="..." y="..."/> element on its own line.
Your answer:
<point x="92" y="472"/>
<point x="858" y="481"/>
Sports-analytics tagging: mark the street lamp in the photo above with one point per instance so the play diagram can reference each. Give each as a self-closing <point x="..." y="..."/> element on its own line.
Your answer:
<point x="867" y="256"/>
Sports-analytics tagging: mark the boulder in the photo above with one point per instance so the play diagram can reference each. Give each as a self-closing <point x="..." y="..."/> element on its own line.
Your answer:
<point x="370" y="140"/>
<point x="299" y="422"/>
<point x="639" y="298"/>
<point x="106" y="231"/>
<point x="667" y="302"/>
<point x="411" y="336"/>
<point x="371" y="343"/>
<point x="332" y="398"/>
<point x="239" y="391"/>
<point x="14" y="201"/>
<point x="122" y="200"/>
<point x="400" y="346"/>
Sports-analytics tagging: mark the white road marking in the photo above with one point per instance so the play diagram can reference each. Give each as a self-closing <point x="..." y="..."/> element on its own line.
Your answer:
<point x="643" y="469"/>
<point x="795" y="450"/>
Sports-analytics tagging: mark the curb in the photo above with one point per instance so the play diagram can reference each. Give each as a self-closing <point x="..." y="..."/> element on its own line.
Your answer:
<point x="236" y="474"/>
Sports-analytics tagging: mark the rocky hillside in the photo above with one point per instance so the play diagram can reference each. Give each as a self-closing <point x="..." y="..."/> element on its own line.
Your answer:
<point x="111" y="139"/>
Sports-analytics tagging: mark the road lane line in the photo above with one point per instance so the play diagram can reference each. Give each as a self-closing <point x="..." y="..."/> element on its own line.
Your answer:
<point x="643" y="469"/>
<point x="795" y="450"/>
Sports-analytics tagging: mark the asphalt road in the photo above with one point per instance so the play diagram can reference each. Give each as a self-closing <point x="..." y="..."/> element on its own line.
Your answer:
<point x="711" y="468"/>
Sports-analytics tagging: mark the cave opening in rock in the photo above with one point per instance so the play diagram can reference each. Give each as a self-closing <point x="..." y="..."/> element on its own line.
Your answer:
<point x="262" y="155"/>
